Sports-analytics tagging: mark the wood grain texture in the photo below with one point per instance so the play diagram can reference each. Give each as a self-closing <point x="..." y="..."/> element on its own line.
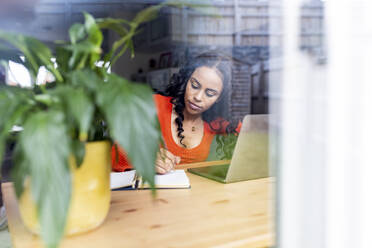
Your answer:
<point x="210" y="214"/>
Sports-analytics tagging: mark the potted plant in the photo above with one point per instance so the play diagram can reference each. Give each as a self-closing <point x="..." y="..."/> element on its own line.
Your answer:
<point x="68" y="125"/>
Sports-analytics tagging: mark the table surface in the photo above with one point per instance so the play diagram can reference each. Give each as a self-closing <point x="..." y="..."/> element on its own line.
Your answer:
<point x="209" y="214"/>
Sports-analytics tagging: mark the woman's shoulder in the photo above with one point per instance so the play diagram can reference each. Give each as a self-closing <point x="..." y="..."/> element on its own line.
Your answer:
<point x="162" y="102"/>
<point x="158" y="98"/>
<point x="219" y="125"/>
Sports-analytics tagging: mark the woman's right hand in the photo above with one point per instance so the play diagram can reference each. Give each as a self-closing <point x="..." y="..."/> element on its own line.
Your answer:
<point x="165" y="161"/>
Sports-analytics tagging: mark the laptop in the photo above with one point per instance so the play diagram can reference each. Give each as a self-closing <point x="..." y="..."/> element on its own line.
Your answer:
<point x="250" y="156"/>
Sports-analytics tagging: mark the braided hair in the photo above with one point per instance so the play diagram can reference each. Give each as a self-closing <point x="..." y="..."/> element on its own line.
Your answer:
<point x="220" y="109"/>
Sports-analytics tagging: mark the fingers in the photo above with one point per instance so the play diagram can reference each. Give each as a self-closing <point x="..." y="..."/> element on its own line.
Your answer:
<point x="175" y="159"/>
<point x="178" y="160"/>
<point x="160" y="170"/>
<point x="165" y="161"/>
<point x="165" y="165"/>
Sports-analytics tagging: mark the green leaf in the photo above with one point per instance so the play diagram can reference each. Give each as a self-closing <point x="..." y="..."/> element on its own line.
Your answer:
<point x="45" y="145"/>
<point x="126" y="35"/>
<point x="79" y="106"/>
<point x="114" y="25"/>
<point x="43" y="55"/>
<point x="132" y="119"/>
<point x="19" y="42"/>
<point x="87" y="50"/>
<point x="8" y="104"/>
<point x="116" y="153"/>
<point x="125" y="38"/>
<point x="16" y="118"/>
<point x="62" y="58"/>
<point x="78" y="149"/>
<point x="2" y="150"/>
<point x="76" y="32"/>
<point x="94" y="57"/>
<point x="95" y="37"/>
<point x="83" y="61"/>
<point x="36" y="53"/>
<point x="86" y="78"/>
<point x="94" y="33"/>
<point x="20" y="170"/>
<point x="79" y="49"/>
<point x="15" y="103"/>
<point x="147" y="14"/>
<point x="123" y="49"/>
<point x="46" y="99"/>
<point x="131" y="46"/>
<point x="74" y="59"/>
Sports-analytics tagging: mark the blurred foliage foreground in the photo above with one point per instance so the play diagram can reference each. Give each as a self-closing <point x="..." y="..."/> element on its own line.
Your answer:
<point x="84" y="103"/>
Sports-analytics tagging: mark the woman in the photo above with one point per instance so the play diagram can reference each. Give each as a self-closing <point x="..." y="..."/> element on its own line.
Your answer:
<point x="193" y="109"/>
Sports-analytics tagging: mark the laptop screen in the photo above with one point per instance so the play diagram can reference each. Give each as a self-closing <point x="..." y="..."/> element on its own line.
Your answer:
<point x="248" y="153"/>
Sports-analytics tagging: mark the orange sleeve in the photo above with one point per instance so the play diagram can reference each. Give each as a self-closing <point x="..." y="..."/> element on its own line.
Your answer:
<point x="119" y="159"/>
<point x="221" y="124"/>
<point x="239" y="127"/>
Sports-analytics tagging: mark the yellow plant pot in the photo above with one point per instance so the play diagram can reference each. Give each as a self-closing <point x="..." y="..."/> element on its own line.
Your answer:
<point x="90" y="199"/>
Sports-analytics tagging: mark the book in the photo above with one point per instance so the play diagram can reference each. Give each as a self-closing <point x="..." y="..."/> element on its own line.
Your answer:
<point x="124" y="179"/>
<point x="130" y="180"/>
<point x="171" y="180"/>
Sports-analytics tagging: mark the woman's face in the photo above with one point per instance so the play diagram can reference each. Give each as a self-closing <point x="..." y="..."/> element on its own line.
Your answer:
<point x="202" y="90"/>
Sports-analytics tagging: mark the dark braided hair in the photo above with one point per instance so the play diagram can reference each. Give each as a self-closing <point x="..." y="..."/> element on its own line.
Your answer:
<point x="177" y="87"/>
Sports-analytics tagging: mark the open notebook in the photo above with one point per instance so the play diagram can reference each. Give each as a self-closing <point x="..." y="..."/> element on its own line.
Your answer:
<point x="130" y="180"/>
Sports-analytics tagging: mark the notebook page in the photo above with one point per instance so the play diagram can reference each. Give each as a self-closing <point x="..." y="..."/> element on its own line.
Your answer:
<point x="173" y="179"/>
<point x="121" y="179"/>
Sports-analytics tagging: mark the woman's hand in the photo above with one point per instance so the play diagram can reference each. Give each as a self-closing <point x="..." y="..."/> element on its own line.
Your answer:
<point x="165" y="161"/>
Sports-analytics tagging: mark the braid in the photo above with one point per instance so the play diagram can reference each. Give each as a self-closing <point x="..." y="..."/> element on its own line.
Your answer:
<point x="180" y="130"/>
<point x="177" y="90"/>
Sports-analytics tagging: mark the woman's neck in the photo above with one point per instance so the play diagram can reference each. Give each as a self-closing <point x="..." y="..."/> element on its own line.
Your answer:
<point x="191" y="118"/>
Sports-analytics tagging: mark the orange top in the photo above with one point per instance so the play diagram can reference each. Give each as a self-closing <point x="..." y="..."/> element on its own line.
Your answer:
<point x="196" y="154"/>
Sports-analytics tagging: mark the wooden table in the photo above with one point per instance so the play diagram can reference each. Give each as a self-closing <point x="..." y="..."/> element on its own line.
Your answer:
<point x="210" y="214"/>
